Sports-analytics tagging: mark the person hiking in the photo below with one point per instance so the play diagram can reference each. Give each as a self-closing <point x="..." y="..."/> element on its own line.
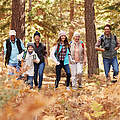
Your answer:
<point x="78" y="55"/>
<point x="29" y="57"/>
<point x="108" y="45"/>
<point x="60" y="55"/>
<point x="40" y="50"/>
<point x="11" y="48"/>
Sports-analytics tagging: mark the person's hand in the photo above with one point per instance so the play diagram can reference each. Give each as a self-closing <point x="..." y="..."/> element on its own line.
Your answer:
<point x="73" y="61"/>
<point x="34" y="60"/>
<point x="102" y="49"/>
<point x="57" y="63"/>
<point x="116" y="48"/>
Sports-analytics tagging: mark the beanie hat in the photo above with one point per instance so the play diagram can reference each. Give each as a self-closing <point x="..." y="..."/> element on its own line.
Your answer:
<point x="36" y="33"/>
<point x="76" y="34"/>
<point x="12" y="32"/>
<point x="30" y="44"/>
<point x="61" y="33"/>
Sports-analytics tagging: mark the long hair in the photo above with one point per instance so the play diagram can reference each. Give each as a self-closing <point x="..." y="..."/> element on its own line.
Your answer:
<point x="66" y="43"/>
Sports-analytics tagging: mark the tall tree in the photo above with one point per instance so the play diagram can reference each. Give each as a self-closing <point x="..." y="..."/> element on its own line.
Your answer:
<point x="71" y="29"/>
<point x="30" y="19"/>
<point x="18" y="18"/>
<point x="93" y="67"/>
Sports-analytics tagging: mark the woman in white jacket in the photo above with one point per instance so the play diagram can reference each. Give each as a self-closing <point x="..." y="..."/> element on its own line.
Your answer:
<point x="29" y="57"/>
<point x="78" y="55"/>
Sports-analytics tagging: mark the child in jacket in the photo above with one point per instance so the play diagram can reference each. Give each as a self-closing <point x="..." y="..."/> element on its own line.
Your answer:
<point x="29" y="57"/>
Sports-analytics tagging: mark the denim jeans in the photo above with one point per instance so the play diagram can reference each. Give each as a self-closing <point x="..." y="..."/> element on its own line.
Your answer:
<point x="30" y="81"/>
<point x="107" y="64"/>
<point x="38" y="68"/>
<point x="58" y="73"/>
<point x="15" y="65"/>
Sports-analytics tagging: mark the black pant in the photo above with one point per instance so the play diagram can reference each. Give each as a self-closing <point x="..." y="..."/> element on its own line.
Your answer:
<point x="58" y="73"/>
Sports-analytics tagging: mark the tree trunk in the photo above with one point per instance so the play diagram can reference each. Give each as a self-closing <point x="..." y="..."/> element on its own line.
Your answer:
<point x="18" y="18"/>
<point x="71" y="29"/>
<point x="93" y="67"/>
<point x="61" y="14"/>
<point x="29" y="20"/>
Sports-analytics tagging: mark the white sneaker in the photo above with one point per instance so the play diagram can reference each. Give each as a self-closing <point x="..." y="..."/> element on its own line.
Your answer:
<point x="67" y="88"/>
<point x="74" y="88"/>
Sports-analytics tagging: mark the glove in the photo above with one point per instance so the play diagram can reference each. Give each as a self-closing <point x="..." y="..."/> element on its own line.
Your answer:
<point x="57" y="63"/>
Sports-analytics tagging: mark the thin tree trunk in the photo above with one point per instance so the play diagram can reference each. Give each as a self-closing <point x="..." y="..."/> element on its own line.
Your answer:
<point x="61" y="13"/>
<point x="46" y="44"/>
<point x="71" y="29"/>
<point x="93" y="67"/>
<point x="18" y="18"/>
<point x="30" y="19"/>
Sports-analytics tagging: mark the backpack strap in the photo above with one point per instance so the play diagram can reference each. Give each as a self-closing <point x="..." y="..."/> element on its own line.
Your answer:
<point x="102" y="38"/>
<point x="82" y="44"/>
<point x="24" y="55"/>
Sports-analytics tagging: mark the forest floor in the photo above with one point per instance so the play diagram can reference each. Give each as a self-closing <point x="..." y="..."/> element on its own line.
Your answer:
<point x="94" y="101"/>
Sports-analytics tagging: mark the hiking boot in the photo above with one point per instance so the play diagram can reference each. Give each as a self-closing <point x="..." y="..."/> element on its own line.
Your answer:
<point x="80" y="86"/>
<point x="67" y="88"/>
<point x="115" y="78"/>
<point x="20" y="77"/>
<point x="39" y="89"/>
<point x="108" y="79"/>
<point x="74" y="88"/>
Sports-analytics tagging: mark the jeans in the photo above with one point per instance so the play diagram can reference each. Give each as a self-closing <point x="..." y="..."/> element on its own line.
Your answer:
<point x="38" y="68"/>
<point x="11" y="71"/>
<point x="107" y="64"/>
<point x="30" y="81"/>
<point x="58" y="73"/>
<point x="76" y="72"/>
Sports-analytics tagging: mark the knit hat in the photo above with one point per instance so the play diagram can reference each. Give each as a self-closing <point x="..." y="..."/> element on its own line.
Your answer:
<point x="76" y="34"/>
<point x="30" y="44"/>
<point x="61" y="33"/>
<point x="12" y="32"/>
<point x="36" y="33"/>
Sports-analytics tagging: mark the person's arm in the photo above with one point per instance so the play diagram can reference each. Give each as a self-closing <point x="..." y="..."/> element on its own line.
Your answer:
<point x="45" y="52"/>
<point x="19" y="57"/>
<point x="37" y="60"/>
<point x="22" y="45"/>
<point x="118" y="44"/>
<point x="97" y="46"/>
<point x="4" y="48"/>
<point x="52" y="55"/>
<point x="84" y="56"/>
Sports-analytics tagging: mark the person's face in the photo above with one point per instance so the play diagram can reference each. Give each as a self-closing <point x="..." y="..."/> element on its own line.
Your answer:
<point x="37" y="38"/>
<point x="107" y="31"/>
<point x="63" y="38"/>
<point x="30" y="49"/>
<point x="76" y="38"/>
<point x="12" y="38"/>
